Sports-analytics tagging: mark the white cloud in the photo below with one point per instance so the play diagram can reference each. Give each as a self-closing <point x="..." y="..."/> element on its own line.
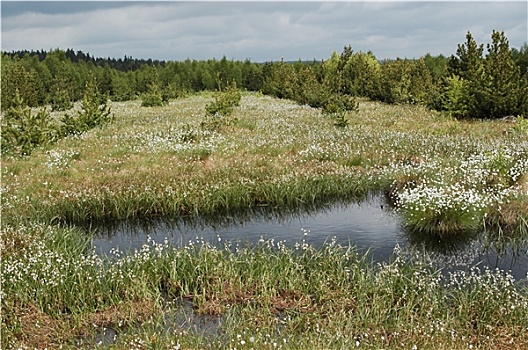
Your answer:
<point x="261" y="30"/>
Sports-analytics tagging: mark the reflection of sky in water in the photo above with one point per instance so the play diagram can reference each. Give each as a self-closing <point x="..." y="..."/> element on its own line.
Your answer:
<point x="475" y="253"/>
<point x="369" y="225"/>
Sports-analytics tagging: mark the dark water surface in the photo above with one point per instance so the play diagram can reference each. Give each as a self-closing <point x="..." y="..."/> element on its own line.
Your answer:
<point x="370" y="225"/>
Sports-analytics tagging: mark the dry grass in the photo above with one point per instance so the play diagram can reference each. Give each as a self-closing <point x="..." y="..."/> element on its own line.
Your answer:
<point x="38" y="330"/>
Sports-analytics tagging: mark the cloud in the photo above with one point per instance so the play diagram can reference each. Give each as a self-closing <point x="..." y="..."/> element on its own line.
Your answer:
<point x="261" y="31"/>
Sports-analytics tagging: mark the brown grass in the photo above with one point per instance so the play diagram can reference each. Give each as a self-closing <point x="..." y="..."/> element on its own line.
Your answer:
<point x="40" y="331"/>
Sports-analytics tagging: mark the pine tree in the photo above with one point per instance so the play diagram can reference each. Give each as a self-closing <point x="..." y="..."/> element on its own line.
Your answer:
<point x="17" y="80"/>
<point x="469" y="64"/>
<point x="23" y="130"/>
<point x="94" y="111"/>
<point x="308" y="90"/>
<point x="469" y="68"/>
<point x="61" y="94"/>
<point x="153" y="96"/>
<point x="281" y="81"/>
<point x="504" y="91"/>
<point x="486" y="87"/>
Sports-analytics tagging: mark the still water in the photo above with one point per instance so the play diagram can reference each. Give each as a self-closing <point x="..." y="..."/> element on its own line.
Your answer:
<point x="370" y="225"/>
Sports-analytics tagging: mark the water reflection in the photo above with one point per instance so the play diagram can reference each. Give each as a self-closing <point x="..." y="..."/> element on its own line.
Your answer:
<point x="369" y="225"/>
<point x="471" y="250"/>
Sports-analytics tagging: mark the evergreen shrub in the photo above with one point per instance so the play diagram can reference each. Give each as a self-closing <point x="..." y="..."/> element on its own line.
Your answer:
<point x="94" y="112"/>
<point x="219" y="111"/>
<point x="23" y="130"/>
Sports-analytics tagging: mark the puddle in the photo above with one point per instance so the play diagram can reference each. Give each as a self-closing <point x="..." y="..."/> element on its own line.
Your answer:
<point x="104" y="336"/>
<point x="370" y="225"/>
<point x="183" y="317"/>
<point x="178" y="316"/>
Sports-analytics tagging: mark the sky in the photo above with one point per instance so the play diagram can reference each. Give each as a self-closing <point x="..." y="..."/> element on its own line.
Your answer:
<point x="260" y="31"/>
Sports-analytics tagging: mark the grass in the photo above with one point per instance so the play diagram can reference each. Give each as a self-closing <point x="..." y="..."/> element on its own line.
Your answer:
<point x="291" y="296"/>
<point x="446" y="177"/>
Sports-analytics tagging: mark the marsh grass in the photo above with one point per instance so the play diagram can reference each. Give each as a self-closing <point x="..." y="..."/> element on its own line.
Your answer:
<point x="267" y="293"/>
<point x="445" y="177"/>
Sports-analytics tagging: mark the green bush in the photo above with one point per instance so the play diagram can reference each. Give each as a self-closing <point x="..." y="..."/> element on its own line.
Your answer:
<point x="218" y="112"/>
<point x="16" y="80"/>
<point x="337" y="103"/>
<point x="95" y="112"/>
<point x="153" y="97"/>
<point x="490" y="86"/>
<point x="308" y="90"/>
<point x="281" y="81"/>
<point x="363" y="72"/>
<point x="454" y="97"/>
<point x="407" y="81"/>
<point x="61" y="96"/>
<point x="224" y="102"/>
<point x="23" y="130"/>
<point x="338" y="106"/>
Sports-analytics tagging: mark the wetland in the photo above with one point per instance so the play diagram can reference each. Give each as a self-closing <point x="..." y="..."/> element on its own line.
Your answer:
<point x="226" y="223"/>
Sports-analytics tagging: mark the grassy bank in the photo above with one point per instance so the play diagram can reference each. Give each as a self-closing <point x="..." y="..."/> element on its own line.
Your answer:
<point x="269" y="296"/>
<point x="444" y="177"/>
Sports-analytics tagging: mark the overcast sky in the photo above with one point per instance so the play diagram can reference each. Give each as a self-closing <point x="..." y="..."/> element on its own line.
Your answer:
<point x="260" y="31"/>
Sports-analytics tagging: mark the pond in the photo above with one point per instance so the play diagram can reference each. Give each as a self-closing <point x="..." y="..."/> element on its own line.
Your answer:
<point x="371" y="225"/>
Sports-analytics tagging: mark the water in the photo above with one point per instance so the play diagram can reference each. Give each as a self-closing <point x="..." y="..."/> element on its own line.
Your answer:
<point x="370" y="225"/>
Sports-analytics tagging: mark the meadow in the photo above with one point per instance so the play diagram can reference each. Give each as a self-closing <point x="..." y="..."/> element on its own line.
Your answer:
<point x="445" y="177"/>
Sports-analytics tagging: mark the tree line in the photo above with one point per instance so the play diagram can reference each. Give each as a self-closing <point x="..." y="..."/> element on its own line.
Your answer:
<point x="474" y="82"/>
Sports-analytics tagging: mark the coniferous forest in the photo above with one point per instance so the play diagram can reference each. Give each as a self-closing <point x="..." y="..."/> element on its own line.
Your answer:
<point x="475" y="82"/>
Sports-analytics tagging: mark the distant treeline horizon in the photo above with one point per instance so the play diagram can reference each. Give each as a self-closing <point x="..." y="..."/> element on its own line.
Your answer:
<point x="128" y="62"/>
<point x="470" y="83"/>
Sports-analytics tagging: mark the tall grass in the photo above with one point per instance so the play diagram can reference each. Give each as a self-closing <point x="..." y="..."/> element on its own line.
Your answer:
<point x="270" y="292"/>
<point x="446" y="176"/>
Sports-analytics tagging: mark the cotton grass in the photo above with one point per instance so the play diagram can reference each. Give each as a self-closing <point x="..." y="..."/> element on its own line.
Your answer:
<point x="445" y="177"/>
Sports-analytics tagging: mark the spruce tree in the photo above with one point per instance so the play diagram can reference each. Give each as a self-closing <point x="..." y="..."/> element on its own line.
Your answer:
<point x="94" y="111"/>
<point x="504" y="91"/>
